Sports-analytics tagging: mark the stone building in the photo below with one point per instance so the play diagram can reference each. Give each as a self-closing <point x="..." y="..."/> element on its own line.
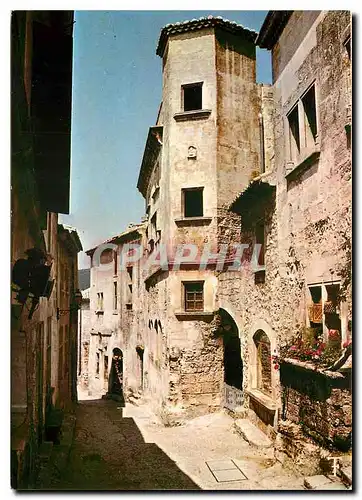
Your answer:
<point x="41" y="80"/>
<point x="299" y="210"/>
<point x="204" y="149"/>
<point x="114" y="320"/>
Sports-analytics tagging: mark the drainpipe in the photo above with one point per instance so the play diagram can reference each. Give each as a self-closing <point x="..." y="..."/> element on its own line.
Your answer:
<point x="262" y="151"/>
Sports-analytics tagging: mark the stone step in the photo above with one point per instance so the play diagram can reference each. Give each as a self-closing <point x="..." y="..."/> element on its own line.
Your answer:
<point x="252" y="434"/>
<point x="346" y="475"/>
<point x="321" y="482"/>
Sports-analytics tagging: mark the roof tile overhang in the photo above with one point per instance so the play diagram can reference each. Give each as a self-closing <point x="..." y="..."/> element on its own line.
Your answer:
<point x="252" y="197"/>
<point x="272" y="28"/>
<point x="202" y="23"/>
<point x="70" y="236"/>
<point x="132" y="233"/>
<point x="152" y="149"/>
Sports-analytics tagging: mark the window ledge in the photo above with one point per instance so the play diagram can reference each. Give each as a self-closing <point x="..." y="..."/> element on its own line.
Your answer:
<point x="196" y="114"/>
<point x="304" y="162"/>
<point x="194" y="315"/>
<point x="262" y="399"/>
<point x="115" y="312"/>
<point x="193" y="221"/>
<point x="100" y="311"/>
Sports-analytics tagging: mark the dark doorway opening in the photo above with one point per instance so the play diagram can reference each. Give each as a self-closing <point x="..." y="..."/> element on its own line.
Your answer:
<point x="140" y="353"/>
<point x="116" y="374"/>
<point x="233" y="365"/>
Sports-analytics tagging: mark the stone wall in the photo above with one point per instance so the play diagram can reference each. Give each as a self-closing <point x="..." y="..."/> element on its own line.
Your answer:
<point x="309" y="228"/>
<point x="321" y="403"/>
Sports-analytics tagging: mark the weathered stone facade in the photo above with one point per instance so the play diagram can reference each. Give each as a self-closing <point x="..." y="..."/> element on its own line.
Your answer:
<point x="307" y="219"/>
<point x="41" y="46"/>
<point x="235" y="148"/>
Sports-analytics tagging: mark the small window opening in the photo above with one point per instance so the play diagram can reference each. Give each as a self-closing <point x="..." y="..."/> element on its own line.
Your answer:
<point x="115" y="263"/>
<point x="315" y="309"/>
<point x="194" y="296"/>
<point x="115" y="301"/>
<point x="294" y="140"/>
<point x="310" y="122"/>
<point x="193" y="202"/>
<point x="192" y="97"/>
<point x="97" y="366"/>
<point x="100" y="301"/>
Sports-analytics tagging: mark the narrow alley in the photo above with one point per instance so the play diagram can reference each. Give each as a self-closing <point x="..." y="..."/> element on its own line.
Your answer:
<point x="128" y="448"/>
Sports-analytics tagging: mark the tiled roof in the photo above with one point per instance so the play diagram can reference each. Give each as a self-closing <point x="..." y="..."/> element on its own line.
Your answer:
<point x="132" y="228"/>
<point x="203" y="22"/>
<point x="272" y="27"/>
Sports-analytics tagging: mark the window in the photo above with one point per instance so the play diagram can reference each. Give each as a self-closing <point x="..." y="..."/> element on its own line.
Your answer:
<point x="194" y="296"/>
<point x="154" y="226"/>
<point x="310" y="117"/>
<point x="294" y="141"/>
<point x="303" y="127"/>
<point x="115" y="305"/>
<point x="324" y="312"/>
<point x="260" y="240"/>
<point x="115" y="263"/>
<point x="129" y="287"/>
<point x="193" y="202"/>
<point x="97" y="363"/>
<point x="100" y="301"/>
<point x="192" y="96"/>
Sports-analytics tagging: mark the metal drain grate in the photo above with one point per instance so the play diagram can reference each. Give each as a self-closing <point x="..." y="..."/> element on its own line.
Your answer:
<point x="225" y="471"/>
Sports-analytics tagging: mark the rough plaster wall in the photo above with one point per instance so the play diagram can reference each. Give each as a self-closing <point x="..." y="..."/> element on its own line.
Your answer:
<point x="190" y="59"/>
<point x="293" y="36"/>
<point x="266" y="93"/>
<point x="313" y="212"/>
<point x="238" y="105"/>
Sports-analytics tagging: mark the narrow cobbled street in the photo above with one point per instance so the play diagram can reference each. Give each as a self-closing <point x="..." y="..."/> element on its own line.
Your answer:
<point x="128" y="448"/>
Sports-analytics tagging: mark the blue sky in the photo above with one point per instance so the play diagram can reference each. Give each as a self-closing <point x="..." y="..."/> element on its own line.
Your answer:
<point x="117" y="84"/>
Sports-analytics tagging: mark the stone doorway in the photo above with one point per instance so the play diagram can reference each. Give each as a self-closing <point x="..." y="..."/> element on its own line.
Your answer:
<point x="115" y="384"/>
<point x="233" y="365"/>
<point x="140" y="353"/>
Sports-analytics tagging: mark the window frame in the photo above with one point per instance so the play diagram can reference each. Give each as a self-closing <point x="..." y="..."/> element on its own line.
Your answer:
<point x="307" y="138"/>
<point x="183" y="201"/>
<point x="194" y="300"/>
<point x="188" y="86"/>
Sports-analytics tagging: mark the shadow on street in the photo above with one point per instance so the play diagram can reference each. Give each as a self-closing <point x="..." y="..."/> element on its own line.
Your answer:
<point x="109" y="453"/>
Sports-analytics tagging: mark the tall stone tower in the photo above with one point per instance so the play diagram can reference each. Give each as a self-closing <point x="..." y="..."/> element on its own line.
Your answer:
<point x="202" y="152"/>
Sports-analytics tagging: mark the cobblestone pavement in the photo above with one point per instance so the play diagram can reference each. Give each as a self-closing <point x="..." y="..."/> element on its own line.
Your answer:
<point x="118" y="448"/>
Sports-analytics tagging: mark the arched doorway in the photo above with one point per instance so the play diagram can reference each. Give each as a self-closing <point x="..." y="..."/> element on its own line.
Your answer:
<point x="115" y="384"/>
<point x="233" y="364"/>
<point x="140" y="354"/>
<point x="263" y="362"/>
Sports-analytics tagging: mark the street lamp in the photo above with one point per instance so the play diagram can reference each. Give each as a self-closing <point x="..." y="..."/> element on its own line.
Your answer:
<point x="76" y="305"/>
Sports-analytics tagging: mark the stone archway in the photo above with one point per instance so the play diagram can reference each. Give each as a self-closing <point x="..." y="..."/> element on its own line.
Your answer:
<point x="232" y="361"/>
<point x="115" y="382"/>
